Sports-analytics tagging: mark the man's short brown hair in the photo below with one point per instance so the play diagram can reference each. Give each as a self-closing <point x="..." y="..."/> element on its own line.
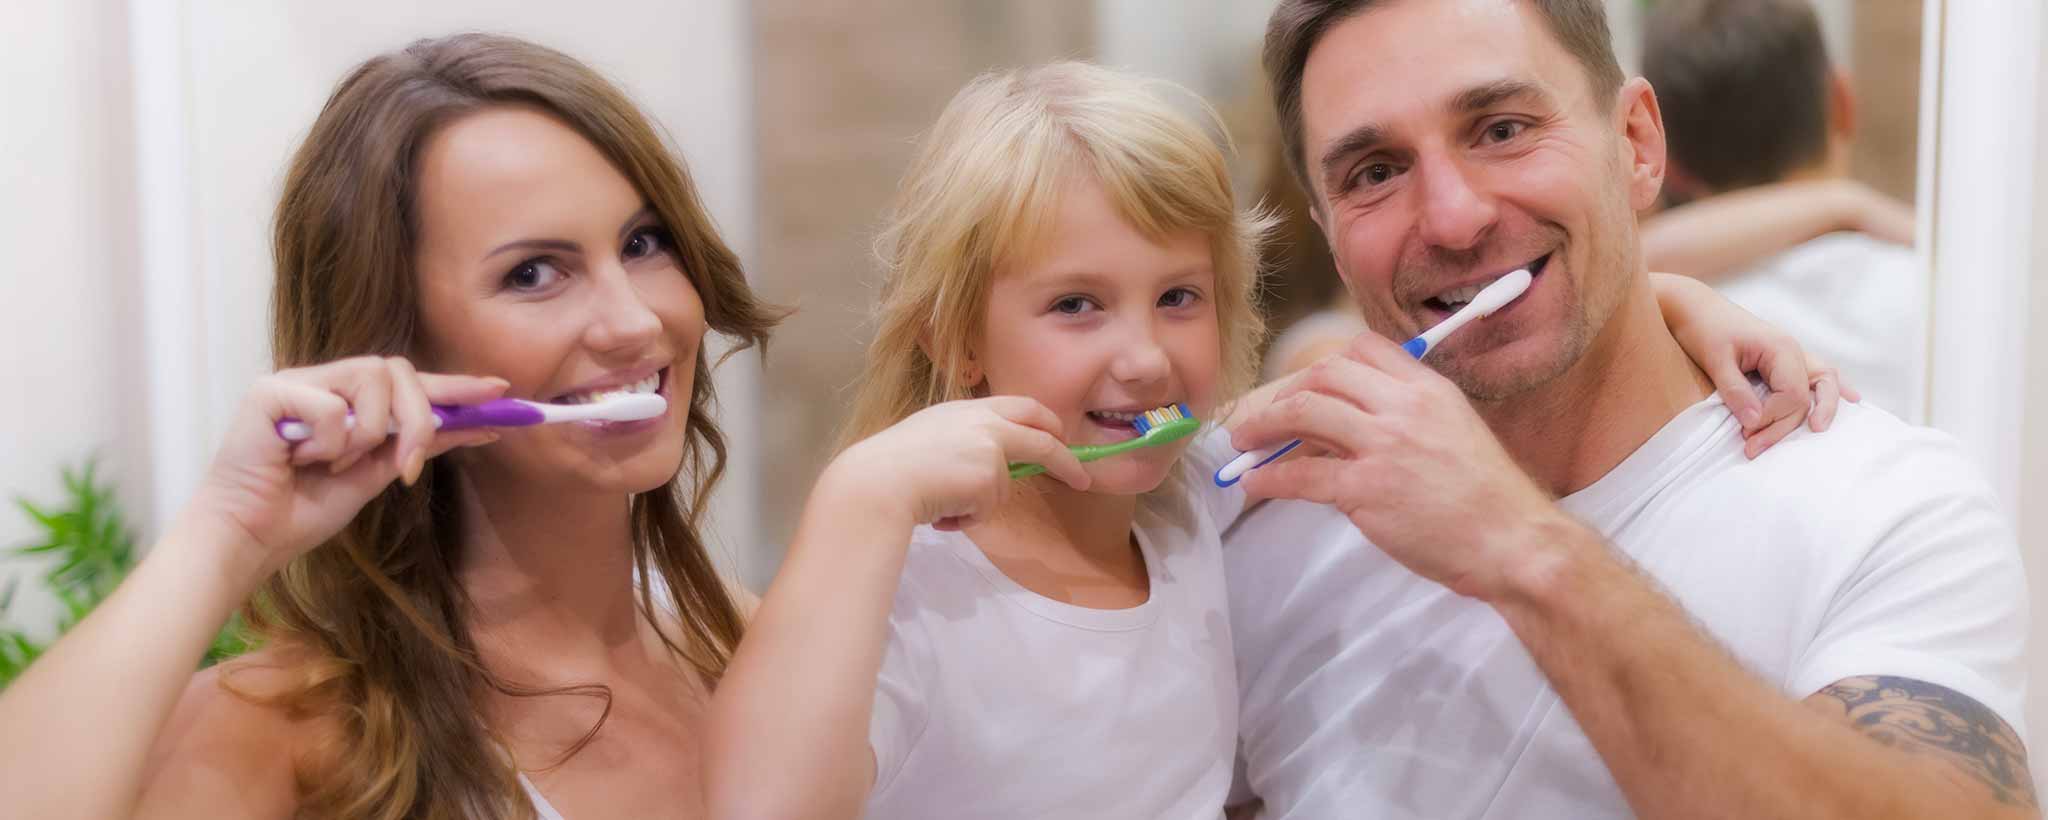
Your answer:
<point x="1297" y="25"/>
<point x="1744" y="85"/>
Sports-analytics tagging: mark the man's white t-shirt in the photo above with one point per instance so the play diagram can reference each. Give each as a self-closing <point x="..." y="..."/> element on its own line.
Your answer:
<point x="1858" y="302"/>
<point x="997" y="702"/>
<point x="1366" y="691"/>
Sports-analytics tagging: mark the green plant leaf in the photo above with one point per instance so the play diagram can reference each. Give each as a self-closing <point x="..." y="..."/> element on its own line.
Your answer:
<point x="91" y="550"/>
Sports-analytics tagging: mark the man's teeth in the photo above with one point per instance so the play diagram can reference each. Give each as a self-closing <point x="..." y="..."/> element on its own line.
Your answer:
<point x="1460" y="297"/>
<point x="646" y="385"/>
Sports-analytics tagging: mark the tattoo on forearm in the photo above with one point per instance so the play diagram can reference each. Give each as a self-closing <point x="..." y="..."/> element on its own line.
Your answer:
<point x="1922" y="718"/>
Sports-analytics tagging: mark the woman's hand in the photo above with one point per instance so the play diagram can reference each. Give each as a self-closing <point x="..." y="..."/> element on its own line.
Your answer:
<point x="269" y="500"/>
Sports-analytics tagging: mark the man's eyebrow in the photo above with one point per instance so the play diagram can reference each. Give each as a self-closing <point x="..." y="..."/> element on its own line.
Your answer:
<point x="1359" y="139"/>
<point x="1488" y="95"/>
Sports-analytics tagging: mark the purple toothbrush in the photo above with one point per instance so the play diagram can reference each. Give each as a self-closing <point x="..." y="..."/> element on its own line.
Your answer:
<point x="516" y="413"/>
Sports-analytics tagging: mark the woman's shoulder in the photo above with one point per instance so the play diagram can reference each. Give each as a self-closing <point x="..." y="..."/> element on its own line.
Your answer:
<point x="235" y="739"/>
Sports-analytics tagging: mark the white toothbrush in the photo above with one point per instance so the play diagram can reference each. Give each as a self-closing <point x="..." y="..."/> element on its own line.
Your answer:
<point x="1492" y="298"/>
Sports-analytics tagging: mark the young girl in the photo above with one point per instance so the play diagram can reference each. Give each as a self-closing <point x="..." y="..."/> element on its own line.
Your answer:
<point x="1066" y="253"/>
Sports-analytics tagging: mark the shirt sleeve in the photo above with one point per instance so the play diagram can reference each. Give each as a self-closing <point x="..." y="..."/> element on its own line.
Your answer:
<point x="1209" y="452"/>
<point x="902" y="707"/>
<point x="1940" y="595"/>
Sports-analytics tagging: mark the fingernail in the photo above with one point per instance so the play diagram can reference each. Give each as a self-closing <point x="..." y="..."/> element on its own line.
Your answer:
<point x="1749" y="416"/>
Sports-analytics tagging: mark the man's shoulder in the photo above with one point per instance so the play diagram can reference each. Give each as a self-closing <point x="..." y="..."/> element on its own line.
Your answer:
<point x="1868" y="464"/>
<point x="1870" y="438"/>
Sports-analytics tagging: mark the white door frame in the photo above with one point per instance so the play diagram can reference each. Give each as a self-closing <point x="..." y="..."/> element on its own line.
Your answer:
<point x="1981" y="78"/>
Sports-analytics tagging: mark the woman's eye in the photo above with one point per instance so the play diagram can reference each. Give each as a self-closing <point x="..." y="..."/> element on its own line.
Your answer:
<point x="1073" y="305"/>
<point x="533" y="274"/>
<point x="646" y="242"/>
<point x="1178" y="297"/>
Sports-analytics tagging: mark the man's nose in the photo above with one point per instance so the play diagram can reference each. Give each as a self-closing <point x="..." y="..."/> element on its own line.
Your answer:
<point x="1453" y="213"/>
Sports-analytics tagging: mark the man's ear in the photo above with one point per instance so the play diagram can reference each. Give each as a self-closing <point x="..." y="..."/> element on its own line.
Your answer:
<point x="1842" y="113"/>
<point x="1641" y="125"/>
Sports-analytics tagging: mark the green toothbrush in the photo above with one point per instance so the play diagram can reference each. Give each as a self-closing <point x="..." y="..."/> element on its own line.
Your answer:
<point x="1155" y="427"/>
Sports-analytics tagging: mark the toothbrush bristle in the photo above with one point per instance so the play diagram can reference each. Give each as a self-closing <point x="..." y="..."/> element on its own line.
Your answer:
<point x="1150" y="419"/>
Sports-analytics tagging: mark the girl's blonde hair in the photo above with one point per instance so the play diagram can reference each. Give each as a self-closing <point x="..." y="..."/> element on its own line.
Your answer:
<point x="985" y="184"/>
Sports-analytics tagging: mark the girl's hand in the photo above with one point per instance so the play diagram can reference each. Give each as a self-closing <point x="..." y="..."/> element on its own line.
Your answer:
<point x="1728" y="343"/>
<point x="948" y="464"/>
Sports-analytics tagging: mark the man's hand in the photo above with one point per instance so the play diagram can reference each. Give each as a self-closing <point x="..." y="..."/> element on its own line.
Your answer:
<point x="1409" y="461"/>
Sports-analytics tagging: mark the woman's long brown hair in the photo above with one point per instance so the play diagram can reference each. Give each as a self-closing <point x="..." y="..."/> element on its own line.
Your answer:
<point x="373" y="621"/>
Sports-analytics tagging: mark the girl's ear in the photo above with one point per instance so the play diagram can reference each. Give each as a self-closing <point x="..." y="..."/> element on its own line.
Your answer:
<point x="969" y="369"/>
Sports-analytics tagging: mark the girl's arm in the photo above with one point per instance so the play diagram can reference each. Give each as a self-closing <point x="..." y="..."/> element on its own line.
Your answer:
<point x="1726" y="233"/>
<point x="790" y="719"/>
<point x="1728" y="342"/>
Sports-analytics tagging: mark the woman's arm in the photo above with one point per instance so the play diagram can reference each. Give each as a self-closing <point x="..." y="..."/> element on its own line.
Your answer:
<point x="80" y="723"/>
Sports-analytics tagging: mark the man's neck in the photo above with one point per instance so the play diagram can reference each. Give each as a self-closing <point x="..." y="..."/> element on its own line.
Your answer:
<point x="1632" y="380"/>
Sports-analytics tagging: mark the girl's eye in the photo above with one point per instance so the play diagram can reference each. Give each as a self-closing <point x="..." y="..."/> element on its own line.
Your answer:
<point x="646" y="242"/>
<point x="1073" y="305"/>
<point x="1178" y="297"/>
<point x="533" y="274"/>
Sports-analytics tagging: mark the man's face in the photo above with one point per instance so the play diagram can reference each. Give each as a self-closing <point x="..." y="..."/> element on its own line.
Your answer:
<point x="1452" y="141"/>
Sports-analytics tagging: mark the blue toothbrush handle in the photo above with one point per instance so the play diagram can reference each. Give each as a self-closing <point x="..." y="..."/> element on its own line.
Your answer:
<point x="1231" y="473"/>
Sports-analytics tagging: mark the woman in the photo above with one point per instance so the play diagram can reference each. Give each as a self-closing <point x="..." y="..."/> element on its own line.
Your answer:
<point x="474" y="205"/>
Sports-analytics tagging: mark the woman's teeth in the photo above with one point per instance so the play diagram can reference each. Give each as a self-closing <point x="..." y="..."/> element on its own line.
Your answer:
<point x="646" y="385"/>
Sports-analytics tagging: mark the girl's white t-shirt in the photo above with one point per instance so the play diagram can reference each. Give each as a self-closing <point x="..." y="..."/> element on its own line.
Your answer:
<point x="996" y="702"/>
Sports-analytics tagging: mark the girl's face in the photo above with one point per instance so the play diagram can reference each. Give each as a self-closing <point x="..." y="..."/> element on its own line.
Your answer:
<point x="1103" y="324"/>
<point x="540" y="263"/>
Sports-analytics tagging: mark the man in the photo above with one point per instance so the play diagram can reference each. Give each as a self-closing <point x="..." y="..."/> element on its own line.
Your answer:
<point x="1537" y="577"/>
<point x="1750" y="98"/>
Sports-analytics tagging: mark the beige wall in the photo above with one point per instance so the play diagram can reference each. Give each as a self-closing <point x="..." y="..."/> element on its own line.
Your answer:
<point x="1884" y="71"/>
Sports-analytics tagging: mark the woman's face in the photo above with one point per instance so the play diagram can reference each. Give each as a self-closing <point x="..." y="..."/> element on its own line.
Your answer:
<point x="540" y="263"/>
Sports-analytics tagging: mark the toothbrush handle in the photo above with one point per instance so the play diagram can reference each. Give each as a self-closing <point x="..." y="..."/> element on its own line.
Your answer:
<point x="1250" y="460"/>
<point x="1254" y="459"/>
<point x="493" y="413"/>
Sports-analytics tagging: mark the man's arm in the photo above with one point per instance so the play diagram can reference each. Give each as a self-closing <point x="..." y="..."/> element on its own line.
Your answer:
<point x="1688" y="733"/>
<point x="1684" y="728"/>
<point x="1937" y="723"/>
